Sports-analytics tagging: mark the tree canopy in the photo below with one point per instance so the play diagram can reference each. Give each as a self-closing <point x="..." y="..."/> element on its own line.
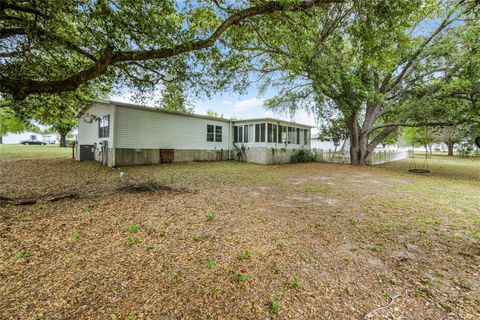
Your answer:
<point x="376" y="64"/>
<point x="56" y="46"/>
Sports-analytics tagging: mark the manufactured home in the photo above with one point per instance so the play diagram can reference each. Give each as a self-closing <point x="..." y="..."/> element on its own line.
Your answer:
<point x="121" y="134"/>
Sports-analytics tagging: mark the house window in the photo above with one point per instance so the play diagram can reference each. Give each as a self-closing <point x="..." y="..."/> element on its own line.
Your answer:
<point x="104" y="127"/>
<point x="257" y="133"/>
<point x="33" y="137"/>
<point x="235" y="134"/>
<point x="218" y="133"/>
<point x="269" y="132"/>
<point x="262" y="132"/>
<point x="210" y="135"/>
<point x="240" y="134"/>
<point x="298" y="136"/>
<point x="305" y="137"/>
<point x="282" y="134"/>
<point x="290" y="135"/>
<point x="245" y="134"/>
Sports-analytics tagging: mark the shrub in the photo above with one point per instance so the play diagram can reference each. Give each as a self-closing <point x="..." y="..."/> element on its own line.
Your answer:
<point x="239" y="153"/>
<point x="302" y="156"/>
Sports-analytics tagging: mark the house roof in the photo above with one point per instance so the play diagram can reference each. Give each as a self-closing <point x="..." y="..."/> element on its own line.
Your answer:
<point x="194" y="115"/>
<point x="155" y="109"/>
<point x="273" y="120"/>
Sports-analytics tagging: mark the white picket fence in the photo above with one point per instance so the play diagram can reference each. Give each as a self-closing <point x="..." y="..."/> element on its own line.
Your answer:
<point x="377" y="157"/>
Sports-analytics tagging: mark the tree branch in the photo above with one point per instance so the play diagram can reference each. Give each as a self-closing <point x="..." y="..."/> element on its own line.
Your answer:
<point x="422" y="124"/>
<point x="15" y="7"/>
<point x="386" y="87"/>
<point x="20" y="88"/>
<point x="379" y="138"/>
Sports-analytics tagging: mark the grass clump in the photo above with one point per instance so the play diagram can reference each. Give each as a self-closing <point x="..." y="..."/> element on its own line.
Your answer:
<point x="305" y="257"/>
<point x="210" y="264"/>
<point x="245" y="255"/>
<point x="273" y="306"/>
<point x="242" y="277"/>
<point x="133" y="228"/>
<point x="76" y="237"/>
<point x="294" y="283"/>
<point x="132" y="241"/>
<point x="22" y="254"/>
<point x="464" y="283"/>
<point x="211" y="216"/>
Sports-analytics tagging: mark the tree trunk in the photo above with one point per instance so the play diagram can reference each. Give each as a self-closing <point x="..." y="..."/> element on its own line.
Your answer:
<point x="358" y="145"/>
<point x="63" y="139"/>
<point x="450" y="145"/>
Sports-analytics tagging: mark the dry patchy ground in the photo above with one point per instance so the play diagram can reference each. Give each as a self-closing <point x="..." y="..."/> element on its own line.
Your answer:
<point x="239" y="241"/>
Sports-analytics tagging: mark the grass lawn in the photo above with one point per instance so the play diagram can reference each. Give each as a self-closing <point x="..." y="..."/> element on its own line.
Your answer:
<point x="20" y="151"/>
<point x="231" y="240"/>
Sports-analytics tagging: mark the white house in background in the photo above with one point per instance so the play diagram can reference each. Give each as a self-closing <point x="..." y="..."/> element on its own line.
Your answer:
<point x="16" y="138"/>
<point x="120" y="134"/>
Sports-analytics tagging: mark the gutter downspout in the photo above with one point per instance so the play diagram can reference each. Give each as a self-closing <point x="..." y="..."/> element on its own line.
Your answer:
<point x="114" y="133"/>
<point x="230" y="137"/>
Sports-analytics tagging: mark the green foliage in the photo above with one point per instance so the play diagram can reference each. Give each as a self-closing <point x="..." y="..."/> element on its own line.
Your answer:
<point x="57" y="111"/>
<point x="294" y="283"/>
<point x="132" y="241"/>
<point x="302" y="156"/>
<point x="211" y="216"/>
<point x="140" y="44"/>
<point x="367" y="64"/>
<point x="133" y="228"/>
<point x="11" y="123"/>
<point x="466" y="149"/>
<point x="242" y="277"/>
<point x="239" y="152"/>
<point x="174" y="97"/>
<point x="23" y="254"/>
<point x="245" y="255"/>
<point x="210" y="263"/>
<point x="273" y="306"/>
<point x="335" y="131"/>
<point x="212" y="113"/>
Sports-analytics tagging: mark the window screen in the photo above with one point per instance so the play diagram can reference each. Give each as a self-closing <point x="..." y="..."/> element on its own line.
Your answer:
<point x="235" y="134"/>
<point x="240" y="134"/>
<point x="210" y="135"/>
<point x="218" y="133"/>
<point x="257" y="133"/>
<point x="104" y="126"/>
<point x="269" y="132"/>
<point x="262" y="134"/>
<point x="245" y="134"/>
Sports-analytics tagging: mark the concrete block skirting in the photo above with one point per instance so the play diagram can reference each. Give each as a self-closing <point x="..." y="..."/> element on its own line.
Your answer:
<point x="270" y="155"/>
<point x="129" y="157"/>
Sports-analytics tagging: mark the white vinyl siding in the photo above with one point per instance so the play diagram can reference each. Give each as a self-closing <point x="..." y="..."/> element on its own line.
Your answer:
<point x="145" y="129"/>
<point x="88" y="128"/>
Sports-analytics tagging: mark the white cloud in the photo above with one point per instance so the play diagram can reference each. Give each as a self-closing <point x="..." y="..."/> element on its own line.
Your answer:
<point x="248" y="104"/>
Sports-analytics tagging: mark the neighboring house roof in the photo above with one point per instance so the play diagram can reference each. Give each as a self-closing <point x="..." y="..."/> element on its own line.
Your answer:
<point x="194" y="115"/>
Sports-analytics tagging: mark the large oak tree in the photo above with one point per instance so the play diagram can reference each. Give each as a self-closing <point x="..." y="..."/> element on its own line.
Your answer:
<point x="56" y="46"/>
<point x="376" y="64"/>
